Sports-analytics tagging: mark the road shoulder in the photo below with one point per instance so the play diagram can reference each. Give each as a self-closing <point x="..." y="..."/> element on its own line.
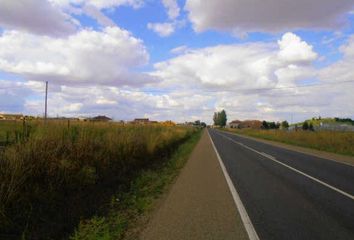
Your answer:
<point x="317" y="153"/>
<point x="199" y="204"/>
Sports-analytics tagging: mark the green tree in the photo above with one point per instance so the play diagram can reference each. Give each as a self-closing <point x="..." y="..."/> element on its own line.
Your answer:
<point x="285" y="124"/>
<point x="220" y="118"/>
<point x="216" y="119"/>
<point x="311" y="127"/>
<point x="265" y="125"/>
<point x="223" y="118"/>
<point x="305" y="126"/>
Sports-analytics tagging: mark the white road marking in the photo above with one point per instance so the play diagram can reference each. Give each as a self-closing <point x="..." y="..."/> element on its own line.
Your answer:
<point x="291" y="168"/>
<point x="294" y="150"/>
<point x="252" y="234"/>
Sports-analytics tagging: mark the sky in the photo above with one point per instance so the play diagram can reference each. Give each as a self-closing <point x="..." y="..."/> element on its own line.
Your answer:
<point x="178" y="60"/>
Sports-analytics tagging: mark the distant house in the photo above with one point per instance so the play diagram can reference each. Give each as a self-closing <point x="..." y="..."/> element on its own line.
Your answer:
<point x="101" y="119"/>
<point x="141" y="121"/>
<point x="235" y="124"/>
<point x="11" y="117"/>
<point x="254" y="124"/>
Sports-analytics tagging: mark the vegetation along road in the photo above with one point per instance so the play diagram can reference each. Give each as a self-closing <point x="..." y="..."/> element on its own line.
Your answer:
<point x="287" y="194"/>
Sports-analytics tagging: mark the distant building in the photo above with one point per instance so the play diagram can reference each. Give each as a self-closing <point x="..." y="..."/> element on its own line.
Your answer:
<point x="235" y="124"/>
<point x="254" y="124"/>
<point x="141" y="121"/>
<point x="100" y="119"/>
<point x="11" y="117"/>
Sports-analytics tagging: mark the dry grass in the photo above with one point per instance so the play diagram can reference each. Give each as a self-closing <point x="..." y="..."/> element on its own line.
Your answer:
<point x="59" y="173"/>
<point x="330" y="141"/>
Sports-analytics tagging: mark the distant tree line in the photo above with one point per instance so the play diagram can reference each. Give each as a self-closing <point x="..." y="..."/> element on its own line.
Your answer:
<point x="307" y="126"/>
<point x="220" y="118"/>
<point x="198" y="123"/>
<point x="344" y="120"/>
<point x="275" y="125"/>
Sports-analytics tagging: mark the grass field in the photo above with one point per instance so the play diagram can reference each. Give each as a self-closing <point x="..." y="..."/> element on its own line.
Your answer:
<point x="52" y="176"/>
<point x="330" y="141"/>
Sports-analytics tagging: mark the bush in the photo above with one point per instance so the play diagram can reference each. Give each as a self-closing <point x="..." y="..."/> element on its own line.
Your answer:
<point x="61" y="174"/>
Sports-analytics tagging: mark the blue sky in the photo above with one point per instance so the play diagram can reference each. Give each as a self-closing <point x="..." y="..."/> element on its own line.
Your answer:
<point x="116" y="57"/>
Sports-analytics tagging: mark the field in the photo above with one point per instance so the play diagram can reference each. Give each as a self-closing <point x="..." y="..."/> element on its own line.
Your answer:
<point x="330" y="141"/>
<point x="54" y="175"/>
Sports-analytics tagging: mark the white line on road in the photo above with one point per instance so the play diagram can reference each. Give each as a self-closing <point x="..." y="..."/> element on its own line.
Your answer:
<point x="252" y="234"/>
<point x="291" y="168"/>
<point x="294" y="150"/>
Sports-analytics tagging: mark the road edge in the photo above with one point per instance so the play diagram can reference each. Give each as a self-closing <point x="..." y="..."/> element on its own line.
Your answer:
<point x="251" y="232"/>
<point x="335" y="157"/>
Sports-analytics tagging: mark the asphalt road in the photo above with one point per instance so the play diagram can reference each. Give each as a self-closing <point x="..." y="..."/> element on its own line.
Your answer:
<point x="287" y="194"/>
<point x="199" y="205"/>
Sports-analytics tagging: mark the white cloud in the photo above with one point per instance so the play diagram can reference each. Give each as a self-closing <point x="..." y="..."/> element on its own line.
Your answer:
<point x="56" y="17"/>
<point x="292" y="49"/>
<point x="162" y="29"/>
<point x="107" y="57"/>
<point x="168" y="28"/>
<point x="36" y="16"/>
<point x="95" y="13"/>
<point x="267" y="15"/>
<point x="250" y="81"/>
<point x="260" y="80"/>
<point x="172" y="8"/>
<point x="238" y="66"/>
<point x="100" y="4"/>
<point x="179" y="49"/>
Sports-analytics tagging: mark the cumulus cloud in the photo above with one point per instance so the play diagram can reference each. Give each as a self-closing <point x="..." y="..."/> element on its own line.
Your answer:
<point x="292" y="49"/>
<point x="36" y="16"/>
<point x="259" y="80"/>
<point x="57" y="17"/>
<point x="172" y="8"/>
<point x="162" y="29"/>
<point x="267" y="15"/>
<point x="93" y="8"/>
<point x="107" y="57"/>
<point x="253" y="65"/>
<point x="250" y="81"/>
<point x="166" y="29"/>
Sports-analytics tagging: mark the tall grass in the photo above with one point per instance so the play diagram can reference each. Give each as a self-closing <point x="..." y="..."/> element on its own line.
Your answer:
<point x="330" y="141"/>
<point x="62" y="173"/>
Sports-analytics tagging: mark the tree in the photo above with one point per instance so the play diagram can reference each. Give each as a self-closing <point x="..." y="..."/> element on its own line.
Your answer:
<point x="311" y="127"/>
<point x="220" y="118"/>
<point x="305" y="126"/>
<point x="216" y="119"/>
<point x="285" y="124"/>
<point x="272" y="125"/>
<point x="203" y="125"/>
<point x="223" y="118"/>
<point x="197" y="123"/>
<point x="265" y="125"/>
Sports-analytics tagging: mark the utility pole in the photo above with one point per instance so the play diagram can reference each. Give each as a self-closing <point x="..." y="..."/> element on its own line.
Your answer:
<point x="46" y="101"/>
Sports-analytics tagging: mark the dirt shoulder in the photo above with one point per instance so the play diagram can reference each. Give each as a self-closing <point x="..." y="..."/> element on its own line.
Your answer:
<point x="326" y="155"/>
<point x="199" y="204"/>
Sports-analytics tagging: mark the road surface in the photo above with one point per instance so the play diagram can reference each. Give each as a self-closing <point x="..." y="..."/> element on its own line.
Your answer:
<point x="287" y="194"/>
<point x="199" y="205"/>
